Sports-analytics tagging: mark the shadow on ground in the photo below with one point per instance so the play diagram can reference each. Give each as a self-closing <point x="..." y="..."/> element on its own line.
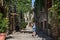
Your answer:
<point x="44" y="36"/>
<point x="9" y="37"/>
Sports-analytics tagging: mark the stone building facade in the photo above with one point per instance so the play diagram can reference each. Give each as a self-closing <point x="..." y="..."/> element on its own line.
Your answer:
<point x="43" y="23"/>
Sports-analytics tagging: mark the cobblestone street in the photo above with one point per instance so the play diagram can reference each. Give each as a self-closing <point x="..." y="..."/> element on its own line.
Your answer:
<point x="25" y="36"/>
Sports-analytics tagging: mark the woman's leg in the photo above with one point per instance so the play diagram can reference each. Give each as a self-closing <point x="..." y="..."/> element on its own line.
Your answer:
<point x="34" y="34"/>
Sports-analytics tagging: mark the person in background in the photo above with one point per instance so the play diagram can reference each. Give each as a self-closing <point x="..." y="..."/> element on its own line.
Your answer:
<point x="34" y="29"/>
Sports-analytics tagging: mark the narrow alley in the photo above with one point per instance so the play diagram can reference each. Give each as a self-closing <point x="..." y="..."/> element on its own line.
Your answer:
<point x="23" y="19"/>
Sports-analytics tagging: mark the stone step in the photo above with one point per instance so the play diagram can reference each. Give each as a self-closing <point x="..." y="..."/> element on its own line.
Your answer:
<point x="26" y="31"/>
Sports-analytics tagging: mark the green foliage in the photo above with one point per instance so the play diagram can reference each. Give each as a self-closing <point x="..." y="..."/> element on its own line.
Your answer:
<point x="0" y="15"/>
<point x="55" y="8"/>
<point x="23" y="25"/>
<point x="3" y="24"/>
<point x="55" y="19"/>
<point x="23" y="5"/>
<point x="55" y="11"/>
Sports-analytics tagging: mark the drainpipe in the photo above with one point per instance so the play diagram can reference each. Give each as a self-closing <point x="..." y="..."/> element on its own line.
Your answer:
<point x="46" y="12"/>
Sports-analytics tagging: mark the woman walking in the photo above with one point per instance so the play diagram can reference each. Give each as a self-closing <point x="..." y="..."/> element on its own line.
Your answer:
<point x="34" y="30"/>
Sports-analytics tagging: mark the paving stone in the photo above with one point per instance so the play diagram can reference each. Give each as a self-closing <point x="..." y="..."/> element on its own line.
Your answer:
<point x="24" y="36"/>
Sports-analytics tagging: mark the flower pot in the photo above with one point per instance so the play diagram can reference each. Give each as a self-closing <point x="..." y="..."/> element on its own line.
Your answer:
<point x="2" y="36"/>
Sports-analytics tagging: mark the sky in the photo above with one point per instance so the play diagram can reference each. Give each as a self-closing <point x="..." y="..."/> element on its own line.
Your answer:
<point x="33" y="3"/>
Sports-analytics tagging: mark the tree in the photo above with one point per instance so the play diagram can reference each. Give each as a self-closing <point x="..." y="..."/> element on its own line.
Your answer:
<point x="23" y="5"/>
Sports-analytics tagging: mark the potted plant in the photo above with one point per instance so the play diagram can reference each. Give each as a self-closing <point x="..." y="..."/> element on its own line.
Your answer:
<point x="3" y="27"/>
